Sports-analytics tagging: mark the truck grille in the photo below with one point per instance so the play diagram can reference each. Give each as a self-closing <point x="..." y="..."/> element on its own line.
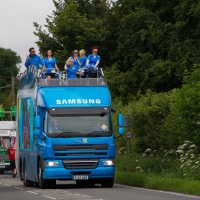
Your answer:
<point x="80" y="163"/>
<point x="80" y="150"/>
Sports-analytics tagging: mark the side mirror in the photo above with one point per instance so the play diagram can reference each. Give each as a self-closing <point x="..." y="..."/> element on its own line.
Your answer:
<point x="37" y="122"/>
<point x="120" y="120"/>
<point x="120" y="131"/>
<point x="36" y="132"/>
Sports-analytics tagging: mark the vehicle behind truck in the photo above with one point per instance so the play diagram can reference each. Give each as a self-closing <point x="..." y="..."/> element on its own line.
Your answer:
<point x="65" y="131"/>
<point x="7" y="132"/>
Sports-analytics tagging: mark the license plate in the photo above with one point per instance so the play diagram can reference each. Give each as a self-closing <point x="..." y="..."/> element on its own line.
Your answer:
<point x="80" y="177"/>
<point x="2" y="166"/>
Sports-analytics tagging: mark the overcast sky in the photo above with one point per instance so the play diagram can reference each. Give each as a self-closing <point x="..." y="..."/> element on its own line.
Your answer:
<point x="16" y="24"/>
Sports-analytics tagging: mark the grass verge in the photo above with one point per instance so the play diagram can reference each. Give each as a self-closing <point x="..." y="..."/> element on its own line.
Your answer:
<point x="153" y="181"/>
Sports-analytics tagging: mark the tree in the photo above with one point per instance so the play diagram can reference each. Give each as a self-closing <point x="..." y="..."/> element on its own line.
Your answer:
<point x="76" y="24"/>
<point x="8" y="63"/>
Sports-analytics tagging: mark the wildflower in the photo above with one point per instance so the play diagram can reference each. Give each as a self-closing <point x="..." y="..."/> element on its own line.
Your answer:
<point x="165" y="151"/>
<point x="182" y="166"/>
<point x="188" y="164"/>
<point x="138" y="168"/>
<point x="141" y="171"/>
<point x="192" y="167"/>
<point x="196" y="162"/>
<point x="136" y="161"/>
<point x="148" y="150"/>
<point x="180" y="151"/>
<point x="154" y="151"/>
<point x="163" y="160"/>
<point x="144" y="154"/>
<point x="171" y="151"/>
<point x="192" y="146"/>
<point x="184" y="174"/>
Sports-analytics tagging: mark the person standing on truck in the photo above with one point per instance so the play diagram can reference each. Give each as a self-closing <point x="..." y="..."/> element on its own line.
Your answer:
<point x="71" y="70"/>
<point x="50" y="62"/>
<point x="82" y="62"/>
<point x="2" y="112"/>
<point x="93" y="60"/>
<point x="11" y="152"/>
<point x="33" y="59"/>
<point x="13" y="111"/>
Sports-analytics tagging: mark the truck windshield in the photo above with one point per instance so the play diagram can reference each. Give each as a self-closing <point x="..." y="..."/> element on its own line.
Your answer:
<point x="79" y="123"/>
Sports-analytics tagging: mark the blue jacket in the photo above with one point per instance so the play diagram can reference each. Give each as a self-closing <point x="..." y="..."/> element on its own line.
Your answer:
<point x="34" y="60"/>
<point x="71" y="71"/>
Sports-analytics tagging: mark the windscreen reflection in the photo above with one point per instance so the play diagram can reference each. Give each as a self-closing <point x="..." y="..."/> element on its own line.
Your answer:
<point x="79" y="126"/>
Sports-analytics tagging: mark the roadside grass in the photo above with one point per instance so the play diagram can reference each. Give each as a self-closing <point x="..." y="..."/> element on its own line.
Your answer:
<point x="154" y="181"/>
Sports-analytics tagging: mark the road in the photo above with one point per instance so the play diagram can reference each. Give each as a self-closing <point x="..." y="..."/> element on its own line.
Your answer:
<point x="13" y="189"/>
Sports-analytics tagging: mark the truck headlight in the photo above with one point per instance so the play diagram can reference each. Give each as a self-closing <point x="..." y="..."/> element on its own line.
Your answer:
<point x="51" y="164"/>
<point x="108" y="162"/>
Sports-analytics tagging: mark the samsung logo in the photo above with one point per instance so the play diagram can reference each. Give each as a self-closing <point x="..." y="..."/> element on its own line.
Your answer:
<point x="78" y="101"/>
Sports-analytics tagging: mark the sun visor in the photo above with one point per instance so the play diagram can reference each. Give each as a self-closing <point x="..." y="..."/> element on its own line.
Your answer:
<point x="63" y="97"/>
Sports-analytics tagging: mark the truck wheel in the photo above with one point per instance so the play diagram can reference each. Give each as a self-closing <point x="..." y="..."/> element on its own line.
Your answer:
<point x="107" y="183"/>
<point x="2" y="171"/>
<point x="26" y="182"/>
<point x="42" y="183"/>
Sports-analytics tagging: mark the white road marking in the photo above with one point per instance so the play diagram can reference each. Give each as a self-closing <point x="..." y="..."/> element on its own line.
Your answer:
<point x="32" y="192"/>
<point x="164" y="192"/>
<point x="48" y="197"/>
<point x="19" y="188"/>
<point x="7" y="185"/>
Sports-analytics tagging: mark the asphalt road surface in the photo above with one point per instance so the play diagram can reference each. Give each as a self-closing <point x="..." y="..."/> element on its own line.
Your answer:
<point x="13" y="189"/>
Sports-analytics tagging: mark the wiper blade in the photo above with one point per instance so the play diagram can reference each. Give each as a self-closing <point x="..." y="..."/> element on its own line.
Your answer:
<point x="97" y="133"/>
<point x="66" y="133"/>
<point x="63" y="133"/>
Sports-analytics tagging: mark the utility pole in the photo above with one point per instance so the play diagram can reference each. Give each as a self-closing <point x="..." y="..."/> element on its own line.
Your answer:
<point x="13" y="89"/>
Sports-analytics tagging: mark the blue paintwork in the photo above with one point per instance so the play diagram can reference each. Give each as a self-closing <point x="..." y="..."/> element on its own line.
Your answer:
<point x="63" y="97"/>
<point x="43" y="98"/>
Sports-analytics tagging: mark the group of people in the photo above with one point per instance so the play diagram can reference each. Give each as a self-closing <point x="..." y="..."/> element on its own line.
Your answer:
<point x="12" y="112"/>
<point x="76" y="66"/>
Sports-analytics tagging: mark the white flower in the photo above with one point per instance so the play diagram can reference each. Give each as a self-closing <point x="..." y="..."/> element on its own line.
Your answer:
<point x="144" y="154"/>
<point x="138" y="168"/>
<point x="148" y="150"/>
<point x="196" y="162"/>
<point x="180" y="151"/>
<point x="136" y="161"/>
<point x="141" y="171"/>
<point x="184" y="174"/>
<point x="192" y="146"/>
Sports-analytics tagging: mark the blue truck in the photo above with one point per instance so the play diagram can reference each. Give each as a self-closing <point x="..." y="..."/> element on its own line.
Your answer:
<point x="65" y="131"/>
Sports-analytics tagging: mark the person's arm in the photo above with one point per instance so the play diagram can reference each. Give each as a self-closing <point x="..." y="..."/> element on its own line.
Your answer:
<point x="2" y="140"/>
<point x="55" y="64"/>
<point x="27" y="63"/>
<point x="41" y="61"/>
<point x="88" y="60"/>
<point x="98" y="61"/>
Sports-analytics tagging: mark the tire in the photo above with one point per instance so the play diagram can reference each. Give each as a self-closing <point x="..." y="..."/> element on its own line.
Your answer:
<point x="20" y="171"/>
<point x="51" y="183"/>
<point x="2" y="171"/>
<point x="42" y="183"/>
<point x="26" y="182"/>
<point x="107" y="183"/>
